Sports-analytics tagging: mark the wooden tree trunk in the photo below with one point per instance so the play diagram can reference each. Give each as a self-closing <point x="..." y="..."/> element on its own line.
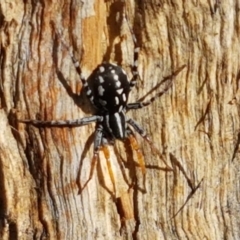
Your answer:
<point x="195" y="125"/>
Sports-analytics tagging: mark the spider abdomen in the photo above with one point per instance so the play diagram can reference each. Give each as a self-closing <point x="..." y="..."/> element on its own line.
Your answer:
<point x="110" y="88"/>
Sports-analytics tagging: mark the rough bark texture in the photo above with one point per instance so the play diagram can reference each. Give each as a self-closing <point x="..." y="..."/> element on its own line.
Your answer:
<point x="195" y="125"/>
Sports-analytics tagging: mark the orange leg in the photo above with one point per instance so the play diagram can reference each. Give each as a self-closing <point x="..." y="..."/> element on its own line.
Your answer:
<point x="93" y="165"/>
<point x="135" y="147"/>
<point x="107" y="156"/>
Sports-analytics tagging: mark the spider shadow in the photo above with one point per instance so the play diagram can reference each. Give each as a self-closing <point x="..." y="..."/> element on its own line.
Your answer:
<point x="83" y="156"/>
<point x="115" y="30"/>
<point x="129" y="164"/>
<point x="80" y="99"/>
<point x="84" y="103"/>
<point x="98" y="170"/>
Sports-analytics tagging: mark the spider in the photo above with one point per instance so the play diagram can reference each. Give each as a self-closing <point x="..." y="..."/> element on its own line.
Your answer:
<point x="108" y="90"/>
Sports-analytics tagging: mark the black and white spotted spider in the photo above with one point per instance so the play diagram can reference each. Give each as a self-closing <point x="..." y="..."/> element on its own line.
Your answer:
<point x="108" y="91"/>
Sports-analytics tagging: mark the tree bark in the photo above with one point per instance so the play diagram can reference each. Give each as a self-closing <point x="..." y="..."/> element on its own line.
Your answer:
<point x="194" y="125"/>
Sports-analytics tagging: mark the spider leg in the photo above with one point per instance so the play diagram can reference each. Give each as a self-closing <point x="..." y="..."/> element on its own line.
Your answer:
<point x="140" y="104"/>
<point x="143" y="134"/>
<point x="97" y="145"/>
<point x="134" y="67"/>
<point x="64" y="123"/>
<point x="76" y="63"/>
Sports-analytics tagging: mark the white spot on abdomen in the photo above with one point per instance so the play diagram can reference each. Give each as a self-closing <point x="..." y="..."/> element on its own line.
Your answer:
<point x="116" y="100"/>
<point x="101" y="69"/>
<point x="101" y="90"/>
